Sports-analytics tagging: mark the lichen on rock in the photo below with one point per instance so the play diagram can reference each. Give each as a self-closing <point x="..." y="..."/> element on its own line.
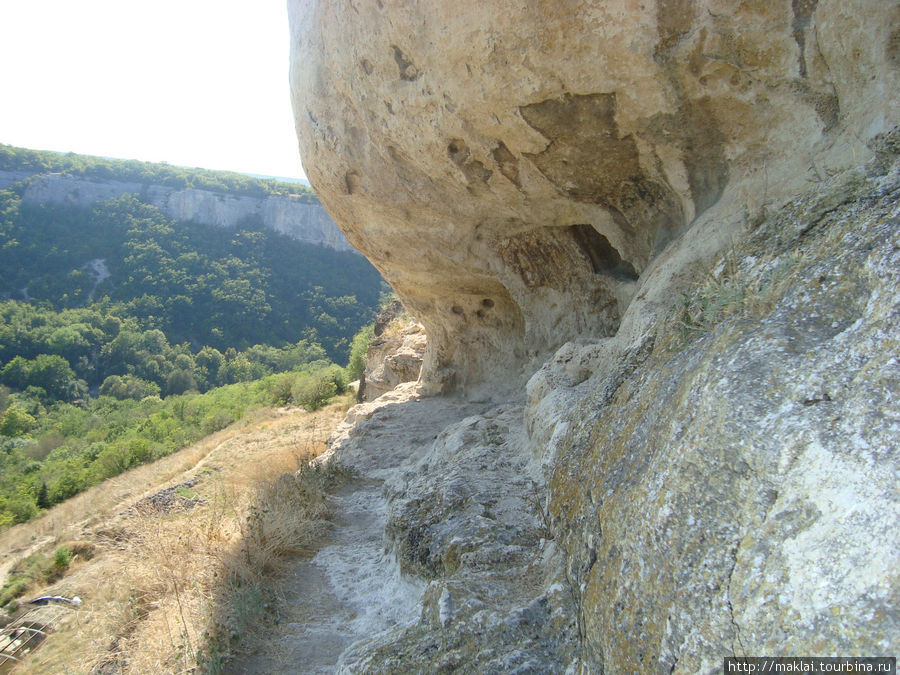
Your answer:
<point x="512" y="168"/>
<point x="731" y="494"/>
<point x="654" y="248"/>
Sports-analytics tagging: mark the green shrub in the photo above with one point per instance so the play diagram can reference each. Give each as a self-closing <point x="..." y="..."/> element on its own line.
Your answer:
<point x="358" y="349"/>
<point x="62" y="557"/>
<point x="216" y="421"/>
<point x="180" y="381"/>
<point x="21" y="508"/>
<point x="12" y="590"/>
<point x="128" y="386"/>
<point x="16" y="422"/>
<point x="122" y="456"/>
<point x="313" y="390"/>
<point x="280" y="389"/>
<point x="338" y="377"/>
<point x="67" y="485"/>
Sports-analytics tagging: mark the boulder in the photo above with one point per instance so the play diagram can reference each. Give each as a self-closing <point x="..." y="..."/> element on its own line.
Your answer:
<point x="395" y="352"/>
<point x="515" y="169"/>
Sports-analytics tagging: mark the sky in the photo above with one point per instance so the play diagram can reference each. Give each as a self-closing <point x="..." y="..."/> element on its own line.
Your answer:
<point x="198" y="83"/>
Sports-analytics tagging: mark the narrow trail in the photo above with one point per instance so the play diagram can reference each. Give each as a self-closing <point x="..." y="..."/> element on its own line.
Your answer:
<point x="351" y="589"/>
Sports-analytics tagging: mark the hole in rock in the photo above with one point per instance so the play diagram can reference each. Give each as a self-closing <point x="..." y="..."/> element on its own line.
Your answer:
<point x="603" y="256"/>
<point x="458" y="151"/>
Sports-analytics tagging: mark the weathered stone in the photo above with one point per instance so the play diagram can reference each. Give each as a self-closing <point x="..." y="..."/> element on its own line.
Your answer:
<point x="496" y="599"/>
<point x="685" y="211"/>
<point x="395" y="352"/>
<point x="728" y="489"/>
<point x="725" y="488"/>
<point x="467" y="149"/>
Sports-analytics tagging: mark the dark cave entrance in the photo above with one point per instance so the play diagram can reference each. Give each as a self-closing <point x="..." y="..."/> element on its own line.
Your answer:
<point x="603" y="256"/>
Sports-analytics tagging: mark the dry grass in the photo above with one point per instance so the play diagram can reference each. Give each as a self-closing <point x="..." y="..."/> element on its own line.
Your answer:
<point x="729" y="291"/>
<point x="178" y="585"/>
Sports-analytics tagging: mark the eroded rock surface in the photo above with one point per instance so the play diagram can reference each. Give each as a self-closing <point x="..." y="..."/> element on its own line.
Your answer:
<point x="512" y="167"/>
<point x="725" y="487"/>
<point x="728" y="488"/>
<point x="494" y="596"/>
<point x="678" y="222"/>
<point x="395" y="352"/>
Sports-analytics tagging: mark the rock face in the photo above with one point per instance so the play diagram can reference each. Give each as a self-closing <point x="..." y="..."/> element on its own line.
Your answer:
<point x="513" y="169"/>
<point x="727" y="488"/>
<point x="678" y="223"/>
<point x="395" y="352"/>
<point x="302" y="221"/>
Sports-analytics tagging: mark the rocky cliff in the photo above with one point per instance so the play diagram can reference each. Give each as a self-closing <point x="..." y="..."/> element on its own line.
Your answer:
<point x="677" y="223"/>
<point x="395" y="352"/>
<point x="307" y="222"/>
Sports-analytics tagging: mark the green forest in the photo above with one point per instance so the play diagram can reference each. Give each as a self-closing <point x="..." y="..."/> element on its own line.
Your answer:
<point x="125" y="336"/>
<point x="203" y="284"/>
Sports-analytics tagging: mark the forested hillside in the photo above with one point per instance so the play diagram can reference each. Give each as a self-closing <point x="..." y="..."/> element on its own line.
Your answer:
<point x="197" y="283"/>
<point x="125" y="335"/>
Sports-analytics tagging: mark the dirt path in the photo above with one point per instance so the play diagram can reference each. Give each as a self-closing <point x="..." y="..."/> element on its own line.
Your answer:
<point x="349" y="590"/>
<point x="352" y="589"/>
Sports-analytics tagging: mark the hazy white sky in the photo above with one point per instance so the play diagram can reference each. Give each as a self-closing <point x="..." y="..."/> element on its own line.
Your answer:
<point x="190" y="82"/>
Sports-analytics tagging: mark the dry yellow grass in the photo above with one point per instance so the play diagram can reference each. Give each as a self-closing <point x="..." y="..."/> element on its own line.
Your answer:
<point x="182" y="583"/>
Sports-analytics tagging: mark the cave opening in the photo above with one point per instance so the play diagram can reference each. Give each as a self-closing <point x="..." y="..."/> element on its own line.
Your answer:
<point x="602" y="255"/>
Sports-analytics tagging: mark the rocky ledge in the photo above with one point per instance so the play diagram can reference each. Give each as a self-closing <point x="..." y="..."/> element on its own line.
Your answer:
<point x="654" y="247"/>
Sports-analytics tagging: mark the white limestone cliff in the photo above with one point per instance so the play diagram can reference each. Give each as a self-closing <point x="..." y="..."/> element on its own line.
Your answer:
<point x="307" y="222"/>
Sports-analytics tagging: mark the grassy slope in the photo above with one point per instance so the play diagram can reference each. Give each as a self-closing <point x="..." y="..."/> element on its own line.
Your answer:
<point x="165" y="591"/>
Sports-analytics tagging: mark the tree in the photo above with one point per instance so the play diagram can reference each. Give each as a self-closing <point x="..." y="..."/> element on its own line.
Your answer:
<point x="128" y="386"/>
<point x="180" y="381"/>
<point x="53" y="374"/>
<point x="16" y="422"/>
<point x="43" y="498"/>
<point x="208" y="362"/>
<point x="22" y="508"/>
<point x="358" y="350"/>
<point x="15" y="373"/>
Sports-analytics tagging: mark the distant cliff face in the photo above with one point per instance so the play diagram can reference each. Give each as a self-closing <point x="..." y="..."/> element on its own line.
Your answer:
<point x="678" y="222"/>
<point x="302" y="221"/>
